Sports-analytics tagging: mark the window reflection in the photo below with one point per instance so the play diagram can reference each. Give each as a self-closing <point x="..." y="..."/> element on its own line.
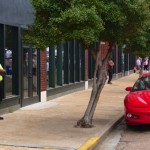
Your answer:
<point x="34" y="71"/>
<point x="8" y="67"/>
<point x="142" y="84"/>
<point x="9" y="59"/>
<point x="30" y="72"/>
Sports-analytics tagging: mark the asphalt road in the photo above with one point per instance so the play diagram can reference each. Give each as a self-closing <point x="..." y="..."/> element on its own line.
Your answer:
<point x="127" y="138"/>
<point x="112" y="140"/>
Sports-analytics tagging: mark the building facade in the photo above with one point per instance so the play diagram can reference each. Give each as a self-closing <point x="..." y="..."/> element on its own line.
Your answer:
<point x="35" y="75"/>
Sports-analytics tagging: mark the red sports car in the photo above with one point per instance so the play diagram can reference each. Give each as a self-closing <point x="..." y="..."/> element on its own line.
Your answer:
<point x="137" y="102"/>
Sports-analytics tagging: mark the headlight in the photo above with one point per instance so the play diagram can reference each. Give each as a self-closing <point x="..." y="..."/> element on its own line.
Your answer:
<point x="129" y="115"/>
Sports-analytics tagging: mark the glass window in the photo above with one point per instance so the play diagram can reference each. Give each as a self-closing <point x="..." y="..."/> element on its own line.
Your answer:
<point x="8" y="60"/>
<point x="142" y="84"/>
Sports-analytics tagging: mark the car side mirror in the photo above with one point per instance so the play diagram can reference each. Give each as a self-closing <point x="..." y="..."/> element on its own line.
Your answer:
<point x="128" y="88"/>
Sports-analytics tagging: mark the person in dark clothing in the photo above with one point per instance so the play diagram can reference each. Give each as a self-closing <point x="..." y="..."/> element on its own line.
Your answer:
<point x="2" y="72"/>
<point x="110" y="70"/>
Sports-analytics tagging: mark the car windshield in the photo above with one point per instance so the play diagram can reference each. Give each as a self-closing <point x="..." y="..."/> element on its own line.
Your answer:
<point x="142" y="83"/>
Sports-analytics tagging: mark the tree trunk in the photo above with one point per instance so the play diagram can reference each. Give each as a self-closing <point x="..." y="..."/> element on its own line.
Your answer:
<point x="100" y="77"/>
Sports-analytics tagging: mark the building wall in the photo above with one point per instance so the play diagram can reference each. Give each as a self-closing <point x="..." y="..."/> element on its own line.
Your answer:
<point x="71" y="67"/>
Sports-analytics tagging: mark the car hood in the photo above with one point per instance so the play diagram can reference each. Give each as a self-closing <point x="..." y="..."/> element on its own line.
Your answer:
<point x="139" y="98"/>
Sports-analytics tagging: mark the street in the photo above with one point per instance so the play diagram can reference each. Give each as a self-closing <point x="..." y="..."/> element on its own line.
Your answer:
<point x="127" y="138"/>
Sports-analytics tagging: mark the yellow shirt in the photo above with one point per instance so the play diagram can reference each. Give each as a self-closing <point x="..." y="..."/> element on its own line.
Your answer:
<point x="1" y="77"/>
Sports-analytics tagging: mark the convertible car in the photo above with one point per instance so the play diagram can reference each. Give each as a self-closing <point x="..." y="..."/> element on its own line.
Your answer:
<point x="137" y="102"/>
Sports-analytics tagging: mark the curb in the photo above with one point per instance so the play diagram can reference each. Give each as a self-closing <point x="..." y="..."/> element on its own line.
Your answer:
<point x="90" y="144"/>
<point x="94" y="141"/>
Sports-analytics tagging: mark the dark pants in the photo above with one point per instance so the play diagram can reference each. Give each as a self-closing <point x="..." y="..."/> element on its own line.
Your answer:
<point x="145" y="67"/>
<point x="110" y="74"/>
<point x="1" y="95"/>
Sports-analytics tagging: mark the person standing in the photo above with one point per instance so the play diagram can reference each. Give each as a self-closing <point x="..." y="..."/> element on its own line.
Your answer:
<point x="110" y="70"/>
<point x="145" y="63"/>
<point x="2" y="72"/>
<point x="8" y="61"/>
<point x="138" y="64"/>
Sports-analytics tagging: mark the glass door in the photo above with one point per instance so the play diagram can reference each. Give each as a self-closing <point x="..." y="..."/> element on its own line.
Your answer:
<point x="30" y="92"/>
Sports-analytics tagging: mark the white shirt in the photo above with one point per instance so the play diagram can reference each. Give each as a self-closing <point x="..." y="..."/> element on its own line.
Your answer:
<point x="8" y="53"/>
<point x="138" y="62"/>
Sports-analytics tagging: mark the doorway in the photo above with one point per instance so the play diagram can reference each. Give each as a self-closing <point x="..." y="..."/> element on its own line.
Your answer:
<point x="30" y="76"/>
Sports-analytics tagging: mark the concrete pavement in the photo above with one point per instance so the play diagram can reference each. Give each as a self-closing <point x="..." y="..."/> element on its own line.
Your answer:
<point x="50" y="125"/>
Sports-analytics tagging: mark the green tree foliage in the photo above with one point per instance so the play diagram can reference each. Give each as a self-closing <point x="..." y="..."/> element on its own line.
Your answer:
<point x="64" y="20"/>
<point x="139" y="42"/>
<point x="123" y="22"/>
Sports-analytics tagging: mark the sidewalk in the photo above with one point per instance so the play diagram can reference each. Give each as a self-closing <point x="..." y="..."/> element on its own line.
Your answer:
<point x="50" y="125"/>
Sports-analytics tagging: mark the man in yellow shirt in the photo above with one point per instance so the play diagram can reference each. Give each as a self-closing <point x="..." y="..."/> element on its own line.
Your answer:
<point x="2" y="72"/>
